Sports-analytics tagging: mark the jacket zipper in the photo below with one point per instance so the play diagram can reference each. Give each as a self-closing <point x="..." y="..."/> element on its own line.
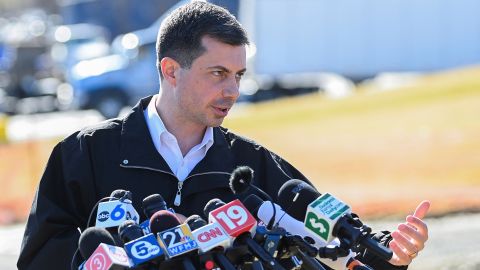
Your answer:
<point x="178" y="196"/>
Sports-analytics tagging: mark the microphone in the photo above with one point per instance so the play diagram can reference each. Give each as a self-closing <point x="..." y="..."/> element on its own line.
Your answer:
<point x="150" y="205"/>
<point x="239" y="224"/>
<point x="91" y="238"/>
<point x="175" y="238"/>
<point x="140" y="248"/>
<point x="211" y="238"/>
<point x="241" y="181"/>
<point x="116" y="211"/>
<point x="129" y="231"/>
<point x="293" y="251"/>
<point x="208" y="236"/>
<point x="97" y="245"/>
<point x="294" y="196"/>
<point x="328" y="217"/>
<point x="121" y="194"/>
<point x="163" y="220"/>
<point x="263" y="212"/>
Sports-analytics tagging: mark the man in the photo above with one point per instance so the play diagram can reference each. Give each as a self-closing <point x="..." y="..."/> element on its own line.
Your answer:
<point x="171" y="144"/>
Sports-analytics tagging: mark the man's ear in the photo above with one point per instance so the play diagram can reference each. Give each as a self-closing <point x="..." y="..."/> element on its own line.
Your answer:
<point x="168" y="67"/>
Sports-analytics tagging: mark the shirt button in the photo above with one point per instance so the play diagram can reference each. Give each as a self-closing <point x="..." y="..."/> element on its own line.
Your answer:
<point x="125" y="161"/>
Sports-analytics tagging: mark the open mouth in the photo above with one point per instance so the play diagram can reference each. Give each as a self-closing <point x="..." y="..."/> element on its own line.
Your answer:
<point x="221" y="111"/>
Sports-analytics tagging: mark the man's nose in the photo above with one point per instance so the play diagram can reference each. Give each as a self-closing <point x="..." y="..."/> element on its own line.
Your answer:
<point x="231" y="88"/>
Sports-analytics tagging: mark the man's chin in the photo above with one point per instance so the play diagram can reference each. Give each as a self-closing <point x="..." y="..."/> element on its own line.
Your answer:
<point x="216" y="122"/>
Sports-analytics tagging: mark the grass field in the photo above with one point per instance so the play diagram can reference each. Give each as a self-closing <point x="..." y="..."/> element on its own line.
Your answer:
<point x="382" y="151"/>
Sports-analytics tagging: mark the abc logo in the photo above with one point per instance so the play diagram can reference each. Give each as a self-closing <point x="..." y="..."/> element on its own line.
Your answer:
<point x="103" y="216"/>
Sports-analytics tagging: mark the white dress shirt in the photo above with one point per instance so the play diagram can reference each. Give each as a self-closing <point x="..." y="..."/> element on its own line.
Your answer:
<point x="167" y="145"/>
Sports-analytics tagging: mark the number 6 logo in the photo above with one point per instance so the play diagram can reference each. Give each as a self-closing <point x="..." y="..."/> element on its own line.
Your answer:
<point x="117" y="213"/>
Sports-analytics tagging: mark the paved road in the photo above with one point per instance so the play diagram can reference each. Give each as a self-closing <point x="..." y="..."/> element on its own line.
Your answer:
<point x="10" y="241"/>
<point x="454" y="243"/>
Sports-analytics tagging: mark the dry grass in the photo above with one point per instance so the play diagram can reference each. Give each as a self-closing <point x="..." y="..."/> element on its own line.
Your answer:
<point x="382" y="152"/>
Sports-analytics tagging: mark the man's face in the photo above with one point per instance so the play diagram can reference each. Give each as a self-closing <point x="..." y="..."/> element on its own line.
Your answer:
<point x="205" y="92"/>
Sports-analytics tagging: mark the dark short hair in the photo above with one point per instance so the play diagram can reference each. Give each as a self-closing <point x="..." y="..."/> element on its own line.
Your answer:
<point x="181" y="33"/>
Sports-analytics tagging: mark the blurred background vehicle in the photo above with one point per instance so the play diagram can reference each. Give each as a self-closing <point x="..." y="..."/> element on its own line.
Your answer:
<point x="76" y="42"/>
<point x="79" y="58"/>
<point x="28" y="79"/>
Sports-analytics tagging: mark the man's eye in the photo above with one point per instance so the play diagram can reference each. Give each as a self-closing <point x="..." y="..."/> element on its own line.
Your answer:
<point x="239" y="76"/>
<point x="217" y="73"/>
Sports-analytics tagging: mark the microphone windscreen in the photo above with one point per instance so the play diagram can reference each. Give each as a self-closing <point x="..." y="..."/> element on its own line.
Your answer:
<point x="91" y="238"/>
<point x="294" y="197"/>
<point x="212" y="205"/>
<point x="121" y="193"/>
<point x="253" y="203"/>
<point x="163" y="220"/>
<point x="195" y="222"/>
<point x="240" y="179"/>
<point x="129" y="230"/>
<point x="153" y="204"/>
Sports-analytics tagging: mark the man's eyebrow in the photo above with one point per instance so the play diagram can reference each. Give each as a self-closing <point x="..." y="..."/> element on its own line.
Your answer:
<point x="226" y="69"/>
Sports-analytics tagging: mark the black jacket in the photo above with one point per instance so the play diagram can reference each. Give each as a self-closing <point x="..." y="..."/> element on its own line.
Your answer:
<point x="119" y="154"/>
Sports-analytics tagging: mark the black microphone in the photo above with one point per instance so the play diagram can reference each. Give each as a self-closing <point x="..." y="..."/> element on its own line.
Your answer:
<point x="129" y="231"/>
<point x="91" y="238"/>
<point x="328" y="217"/>
<point x="195" y="222"/>
<point x="150" y="205"/>
<point x="241" y="181"/>
<point x="212" y="205"/>
<point x="98" y="246"/>
<point x="121" y="194"/>
<point x="153" y="204"/>
<point x="294" y="196"/>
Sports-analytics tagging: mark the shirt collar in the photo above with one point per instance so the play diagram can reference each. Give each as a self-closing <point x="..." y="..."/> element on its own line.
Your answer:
<point x="157" y="127"/>
<point x="207" y="140"/>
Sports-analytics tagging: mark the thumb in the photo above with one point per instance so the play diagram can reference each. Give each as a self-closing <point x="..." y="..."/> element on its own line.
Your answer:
<point x="422" y="209"/>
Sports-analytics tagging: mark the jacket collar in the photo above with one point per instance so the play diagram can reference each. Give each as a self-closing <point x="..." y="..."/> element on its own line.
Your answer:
<point x="137" y="148"/>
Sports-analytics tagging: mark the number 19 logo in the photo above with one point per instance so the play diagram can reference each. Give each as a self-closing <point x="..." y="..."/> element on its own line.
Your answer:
<point x="234" y="218"/>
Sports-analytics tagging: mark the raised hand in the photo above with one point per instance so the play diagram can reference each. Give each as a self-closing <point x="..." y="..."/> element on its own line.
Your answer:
<point x="410" y="236"/>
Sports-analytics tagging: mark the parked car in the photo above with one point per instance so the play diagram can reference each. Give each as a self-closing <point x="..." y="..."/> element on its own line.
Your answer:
<point x="120" y="79"/>
<point x="112" y="82"/>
